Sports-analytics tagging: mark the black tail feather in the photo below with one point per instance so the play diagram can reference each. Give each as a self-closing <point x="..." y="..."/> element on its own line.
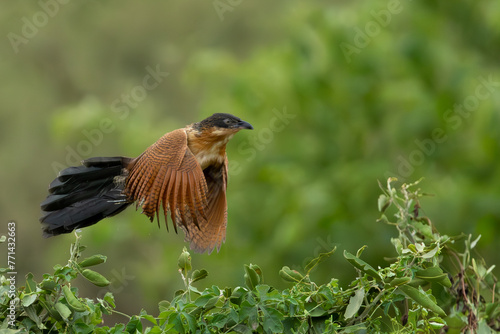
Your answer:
<point x="57" y="187"/>
<point x="82" y="196"/>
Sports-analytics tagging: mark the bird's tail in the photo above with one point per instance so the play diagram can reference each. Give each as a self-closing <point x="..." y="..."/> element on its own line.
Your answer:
<point x="81" y="196"/>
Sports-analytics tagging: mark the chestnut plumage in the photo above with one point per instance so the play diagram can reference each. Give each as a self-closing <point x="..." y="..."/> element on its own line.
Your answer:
<point x="182" y="176"/>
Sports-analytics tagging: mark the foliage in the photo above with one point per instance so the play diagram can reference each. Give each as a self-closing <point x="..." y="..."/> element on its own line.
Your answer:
<point x="430" y="286"/>
<point x="296" y="185"/>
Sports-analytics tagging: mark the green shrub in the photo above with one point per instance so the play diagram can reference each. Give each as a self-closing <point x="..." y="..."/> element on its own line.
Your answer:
<point x="433" y="284"/>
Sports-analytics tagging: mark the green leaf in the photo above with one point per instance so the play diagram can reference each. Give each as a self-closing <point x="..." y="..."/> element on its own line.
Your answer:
<point x="398" y="245"/>
<point x="144" y="315"/>
<point x="30" y="283"/>
<point x="203" y="300"/>
<point x="191" y="321"/>
<point x="83" y="328"/>
<point x="400" y="281"/>
<point x="431" y="253"/>
<point x="290" y="275"/>
<point x="252" y="279"/>
<point x="416" y="282"/>
<point x="356" y="329"/>
<point x="483" y="328"/>
<point x="317" y="260"/>
<point x="237" y="295"/>
<point x="355" y="303"/>
<point x="32" y="314"/>
<point x="257" y="269"/>
<point x="198" y="275"/>
<point x="156" y="330"/>
<point x="456" y="321"/>
<point x="422" y="299"/>
<point x="227" y="292"/>
<point x="164" y="305"/>
<point x="207" y="301"/>
<point x="269" y="294"/>
<point x="110" y="299"/>
<point x="493" y="310"/>
<point x="64" y="273"/>
<point x="383" y="202"/>
<point x="425" y="229"/>
<point x="360" y="251"/>
<point x="248" y="312"/>
<point x="48" y="285"/>
<point x="173" y="319"/>
<point x="272" y="320"/>
<point x="315" y="310"/>
<point x="194" y="290"/>
<point x="27" y="300"/>
<point x="361" y="265"/>
<point x="474" y="243"/>
<point x="134" y="325"/>
<point x="434" y="274"/>
<point x="219" y="320"/>
<point x="436" y="323"/>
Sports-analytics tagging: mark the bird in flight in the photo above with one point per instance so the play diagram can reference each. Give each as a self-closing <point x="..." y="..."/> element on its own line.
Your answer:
<point x="183" y="174"/>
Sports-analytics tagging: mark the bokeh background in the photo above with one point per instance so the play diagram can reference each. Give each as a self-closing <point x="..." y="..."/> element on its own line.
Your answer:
<point x="341" y="94"/>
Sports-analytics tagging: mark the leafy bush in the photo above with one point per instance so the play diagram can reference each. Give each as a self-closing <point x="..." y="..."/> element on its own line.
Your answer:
<point x="434" y="284"/>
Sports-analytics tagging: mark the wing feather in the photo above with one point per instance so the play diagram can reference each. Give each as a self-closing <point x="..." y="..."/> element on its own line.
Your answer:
<point x="182" y="200"/>
<point x="145" y="186"/>
<point x="168" y="184"/>
<point x="191" y="201"/>
<point x="163" y="181"/>
<point x="173" y="200"/>
<point x="167" y="175"/>
<point x="212" y="231"/>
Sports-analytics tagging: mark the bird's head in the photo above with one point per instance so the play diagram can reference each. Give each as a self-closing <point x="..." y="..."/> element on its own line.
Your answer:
<point x="222" y="124"/>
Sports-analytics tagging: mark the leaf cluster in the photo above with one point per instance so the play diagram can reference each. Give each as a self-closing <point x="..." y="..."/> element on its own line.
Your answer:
<point x="434" y="284"/>
<point x="52" y="305"/>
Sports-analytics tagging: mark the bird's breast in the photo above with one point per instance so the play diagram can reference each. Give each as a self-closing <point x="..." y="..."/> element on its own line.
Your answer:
<point x="209" y="158"/>
<point x="208" y="150"/>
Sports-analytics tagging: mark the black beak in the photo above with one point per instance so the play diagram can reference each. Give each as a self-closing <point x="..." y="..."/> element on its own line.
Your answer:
<point x="245" y="125"/>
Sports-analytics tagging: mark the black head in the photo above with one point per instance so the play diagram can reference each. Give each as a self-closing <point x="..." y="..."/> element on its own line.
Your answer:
<point x="223" y="121"/>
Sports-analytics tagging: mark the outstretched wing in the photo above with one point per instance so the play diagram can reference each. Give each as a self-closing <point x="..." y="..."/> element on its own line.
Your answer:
<point x="216" y="178"/>
<point x="167" y="174"/>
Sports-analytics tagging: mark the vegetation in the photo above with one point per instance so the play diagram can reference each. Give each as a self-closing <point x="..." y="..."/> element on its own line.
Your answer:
<point x="340" y="93"/>
<point x="433" y="284"/>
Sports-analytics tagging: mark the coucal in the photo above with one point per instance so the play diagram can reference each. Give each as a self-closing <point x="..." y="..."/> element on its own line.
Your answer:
<point x="184" y="173"/>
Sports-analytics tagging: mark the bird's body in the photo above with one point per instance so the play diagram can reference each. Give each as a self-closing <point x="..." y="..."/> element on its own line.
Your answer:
<point x="183" y="174"/>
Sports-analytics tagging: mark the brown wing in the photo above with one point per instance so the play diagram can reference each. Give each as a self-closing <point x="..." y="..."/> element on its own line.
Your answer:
<point x="214" y="232"/>
<point x="168" y="174"/>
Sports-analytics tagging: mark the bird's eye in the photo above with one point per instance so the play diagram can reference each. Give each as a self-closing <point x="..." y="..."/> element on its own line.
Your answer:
<point x="228" y="121"/>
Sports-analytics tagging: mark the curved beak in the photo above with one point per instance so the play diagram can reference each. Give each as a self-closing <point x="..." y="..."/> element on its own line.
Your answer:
<point x="245" y="125"/>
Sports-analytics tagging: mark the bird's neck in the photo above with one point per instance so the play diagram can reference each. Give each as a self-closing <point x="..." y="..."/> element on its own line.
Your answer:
<point x="209" y="148"/>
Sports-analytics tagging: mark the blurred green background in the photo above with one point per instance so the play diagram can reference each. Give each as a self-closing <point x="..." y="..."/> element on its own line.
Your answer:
<point x="341" y="94"/>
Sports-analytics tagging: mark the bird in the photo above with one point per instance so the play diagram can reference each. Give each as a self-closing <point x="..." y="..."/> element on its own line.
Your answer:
<point x="182" y="175"/>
